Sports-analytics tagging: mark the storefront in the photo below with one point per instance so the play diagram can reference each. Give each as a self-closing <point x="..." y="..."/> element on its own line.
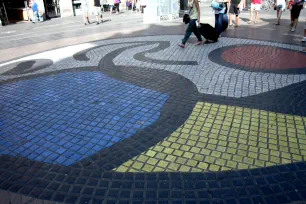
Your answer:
<point x="12" y="11"/>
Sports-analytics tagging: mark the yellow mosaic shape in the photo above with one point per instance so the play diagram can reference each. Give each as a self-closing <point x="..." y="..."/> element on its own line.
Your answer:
<point x="220" y="137"/>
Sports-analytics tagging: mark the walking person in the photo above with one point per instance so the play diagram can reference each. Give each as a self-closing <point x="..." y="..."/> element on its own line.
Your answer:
<point x="84" y="6"/>
<point x="235" y="6"/>
<point x="255" y="6"/>
<point x="297" y="6"/>
<point x="219" y="16"/>
<point x="193" y="23"/>
<point x="280" y="6"/>
<point x="98" y="12"/>
<point x="34" y="8"/>
<point x="111" y="5"/>
<point x="116" y="4"/>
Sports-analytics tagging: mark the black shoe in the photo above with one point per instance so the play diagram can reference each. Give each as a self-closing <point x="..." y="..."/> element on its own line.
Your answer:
<point x="85" y="23"/>
<point x="98" y="23"/>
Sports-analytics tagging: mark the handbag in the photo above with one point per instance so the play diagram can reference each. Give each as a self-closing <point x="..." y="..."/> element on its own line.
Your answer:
<point x="186" y="18"/>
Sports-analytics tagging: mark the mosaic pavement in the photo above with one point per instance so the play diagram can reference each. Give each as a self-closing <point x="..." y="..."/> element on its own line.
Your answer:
<point x="142" y="120"/>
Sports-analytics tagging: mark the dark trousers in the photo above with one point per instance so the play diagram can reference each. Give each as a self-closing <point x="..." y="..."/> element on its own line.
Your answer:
<point x="117" y="7"/>
<point x="218" y="23"/>
<point x="192" y="28"/>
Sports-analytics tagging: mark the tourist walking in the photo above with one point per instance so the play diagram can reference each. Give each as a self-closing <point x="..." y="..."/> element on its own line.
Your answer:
<point x="98" y="11"/>
<point x="117" y="4"/>
<point x="255" y="6"/>
<point x="297" y="6"/>
<point x="193" y="24"/>
<point x="111" y="5"/>
<point x="219" y="15"/>
<point x="279" y="6"/>
<point x="235" y="5"/>
<point x="84" y="6"/>
<point x="34" y="8"/>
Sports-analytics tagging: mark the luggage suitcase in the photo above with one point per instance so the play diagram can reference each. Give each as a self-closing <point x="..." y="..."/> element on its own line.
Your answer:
<point x="208" y="32"/>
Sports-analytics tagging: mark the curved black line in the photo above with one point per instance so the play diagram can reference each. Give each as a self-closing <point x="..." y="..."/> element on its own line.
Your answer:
<point x="28" y="66"/>
<point x="288" y="100"/>
<point x="161" y="46"/>
<point x="182" y="96"/>
<point x="84" y="182"/>
<point x="81" y="56"/>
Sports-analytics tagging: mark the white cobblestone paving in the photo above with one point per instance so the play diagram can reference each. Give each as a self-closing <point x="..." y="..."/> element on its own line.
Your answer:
<point x="208" y="76"/>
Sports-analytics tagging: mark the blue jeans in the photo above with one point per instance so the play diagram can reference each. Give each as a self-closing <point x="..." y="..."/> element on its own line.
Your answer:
<point x="35" y="16"/>
<point x="192" y="28"/>
<point x="218" y="23"/>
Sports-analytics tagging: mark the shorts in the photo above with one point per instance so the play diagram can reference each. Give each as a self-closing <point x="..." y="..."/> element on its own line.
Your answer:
<point x="98" y="11"/>
<point x="255" y="7"/>
<point x="279" y="7"/>
<point x="85" y="10"/>
<point x="234" y="10"/>
<point x="295" y="11"/>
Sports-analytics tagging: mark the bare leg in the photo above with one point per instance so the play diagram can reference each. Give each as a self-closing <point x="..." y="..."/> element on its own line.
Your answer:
<point x="230" y="19"/>
<point x="279" y="14"/>
<point x="251" y="15"/>
<point x="295" y="21"/>
<point x="256" y="17"/>
<point x="237" y="19"/>
<point x="84" y="18"/>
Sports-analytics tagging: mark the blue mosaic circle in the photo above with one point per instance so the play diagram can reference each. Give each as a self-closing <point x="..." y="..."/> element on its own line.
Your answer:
<point x="64" y="118"/>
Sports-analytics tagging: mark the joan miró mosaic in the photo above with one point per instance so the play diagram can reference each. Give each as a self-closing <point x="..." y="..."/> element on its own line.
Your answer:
<point x="143" y="120"/>
<point x="64" y="118"/>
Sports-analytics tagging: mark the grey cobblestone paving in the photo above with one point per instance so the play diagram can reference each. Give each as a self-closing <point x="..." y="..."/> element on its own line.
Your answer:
<point x="209" y="77"/>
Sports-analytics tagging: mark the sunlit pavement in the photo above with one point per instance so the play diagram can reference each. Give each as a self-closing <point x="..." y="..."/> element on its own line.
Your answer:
<point x="141" y="120"/>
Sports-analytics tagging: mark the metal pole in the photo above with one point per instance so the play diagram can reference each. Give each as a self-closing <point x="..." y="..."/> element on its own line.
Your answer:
<point x="7" y="21"/>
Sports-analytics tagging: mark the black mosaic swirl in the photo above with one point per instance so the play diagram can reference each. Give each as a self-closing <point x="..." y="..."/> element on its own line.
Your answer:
<point x="90" y="181"/>
<point x="25" y="67"/>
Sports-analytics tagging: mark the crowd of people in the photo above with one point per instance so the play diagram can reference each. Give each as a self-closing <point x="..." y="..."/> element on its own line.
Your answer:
<point x="295" y="7"/>
<point x="111" y="6"/>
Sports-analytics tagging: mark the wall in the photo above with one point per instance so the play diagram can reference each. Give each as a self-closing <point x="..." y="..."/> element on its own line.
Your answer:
<point x="66" y="8"/>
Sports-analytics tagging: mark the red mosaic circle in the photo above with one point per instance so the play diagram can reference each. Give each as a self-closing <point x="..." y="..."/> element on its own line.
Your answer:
<point x="264" y="57"/>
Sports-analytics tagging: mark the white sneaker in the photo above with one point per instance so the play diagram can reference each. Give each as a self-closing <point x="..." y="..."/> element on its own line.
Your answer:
<point x="304" y="39"/>
<point x="293" y="30"/>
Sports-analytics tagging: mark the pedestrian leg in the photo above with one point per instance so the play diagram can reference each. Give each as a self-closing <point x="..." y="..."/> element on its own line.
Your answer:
<point x="256" y="17"/>
<point x="230" y="20"/>
<point x="251" y="15"/>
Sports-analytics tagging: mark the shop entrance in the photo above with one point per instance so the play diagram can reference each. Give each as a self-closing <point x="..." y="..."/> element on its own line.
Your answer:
<point x="52" y="8"/>
<point x="12" y="11"/>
